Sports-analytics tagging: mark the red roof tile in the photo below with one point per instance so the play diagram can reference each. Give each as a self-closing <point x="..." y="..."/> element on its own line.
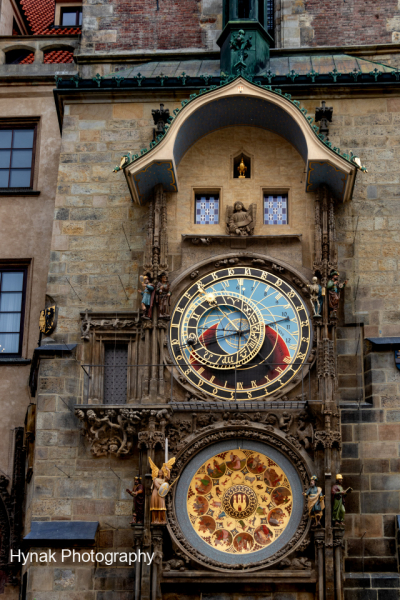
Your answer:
<point x="58" y="56"/>
<point x="28" y="60"/>
<point x="40" y="15"/>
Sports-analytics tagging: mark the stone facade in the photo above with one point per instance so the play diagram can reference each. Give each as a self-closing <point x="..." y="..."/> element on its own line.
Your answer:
<point x="83" y="449"/>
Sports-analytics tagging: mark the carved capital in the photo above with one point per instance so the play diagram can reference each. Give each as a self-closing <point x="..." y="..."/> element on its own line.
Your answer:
<point x="149" y="439"/>
<point x="327" y="439"/>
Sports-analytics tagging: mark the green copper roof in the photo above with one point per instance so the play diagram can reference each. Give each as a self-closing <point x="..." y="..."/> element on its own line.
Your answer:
<point x="323" y="64"/>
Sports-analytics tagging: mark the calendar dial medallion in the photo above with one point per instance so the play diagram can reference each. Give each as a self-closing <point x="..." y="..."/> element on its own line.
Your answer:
<point x="240" y="333"/>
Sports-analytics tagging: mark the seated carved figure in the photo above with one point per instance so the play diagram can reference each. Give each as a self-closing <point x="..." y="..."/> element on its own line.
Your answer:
<point x="240" y="221"/>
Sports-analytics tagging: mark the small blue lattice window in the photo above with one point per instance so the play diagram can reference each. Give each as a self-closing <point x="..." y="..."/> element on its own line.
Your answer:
<point x="207" y="209"/>
<point x="276" y="210"/>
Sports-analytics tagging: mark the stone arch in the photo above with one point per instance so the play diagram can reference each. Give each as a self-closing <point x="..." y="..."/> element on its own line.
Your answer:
<point x="238" y="103"/>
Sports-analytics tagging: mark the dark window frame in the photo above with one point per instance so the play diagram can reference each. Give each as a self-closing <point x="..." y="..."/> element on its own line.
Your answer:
<point x="70" y="10"/>
<point x="207" y="196"/>
<point x="112" y="347"/>
<point x="247" y="161"/>
<point x="16" y="269"/>
<point x="12" y="125"/>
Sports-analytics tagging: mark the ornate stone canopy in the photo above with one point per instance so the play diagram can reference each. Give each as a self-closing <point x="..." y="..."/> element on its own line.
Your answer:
<point x="234" y="104"/>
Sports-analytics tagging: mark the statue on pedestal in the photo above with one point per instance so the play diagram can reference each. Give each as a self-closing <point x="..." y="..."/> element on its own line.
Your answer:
<point x="316" y="296"/>
<point x="334" y="286"/>
<point x="160" y="489"/>
<point x="138" y="501"/>
<point x="163" y="297"/>
<point x="338" y="496"/>
<point x="147" y="296"/>
<point x="315" y="501"/>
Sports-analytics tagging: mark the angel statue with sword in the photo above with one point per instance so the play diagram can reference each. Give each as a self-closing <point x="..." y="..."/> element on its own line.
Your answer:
<point x="160" y="489"/>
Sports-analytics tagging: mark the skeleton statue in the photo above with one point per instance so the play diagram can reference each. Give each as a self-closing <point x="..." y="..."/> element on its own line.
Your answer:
<point x="316" y="296"/>
<point x="240" y="221"/>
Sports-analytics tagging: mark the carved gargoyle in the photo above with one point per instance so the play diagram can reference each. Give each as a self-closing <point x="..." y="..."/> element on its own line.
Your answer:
<point x="175" y="564"/>
<point x="295" y="563"/>
<point x="239" y="220"/>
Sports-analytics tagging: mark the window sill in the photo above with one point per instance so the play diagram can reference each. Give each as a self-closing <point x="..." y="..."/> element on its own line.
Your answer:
<point x="18" y="192"/>
<point x="15" y="361"/>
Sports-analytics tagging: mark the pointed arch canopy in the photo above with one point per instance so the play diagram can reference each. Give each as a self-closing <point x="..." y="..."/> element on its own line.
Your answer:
<point x="238" y="103"/>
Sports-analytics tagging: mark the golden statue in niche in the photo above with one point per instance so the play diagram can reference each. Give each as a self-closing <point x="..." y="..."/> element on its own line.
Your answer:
<point x="242" y="169"/>
<point x="239" y="501"/>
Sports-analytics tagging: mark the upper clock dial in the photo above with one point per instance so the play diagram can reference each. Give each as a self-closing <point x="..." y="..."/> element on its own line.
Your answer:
<point x="240" y="333"/>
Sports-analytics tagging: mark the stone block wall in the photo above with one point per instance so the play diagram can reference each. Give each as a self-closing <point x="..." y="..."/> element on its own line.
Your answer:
<point x="368" y="586"/>
<point x="367" y="227"/>
<point x="188" y="24"/>
<point x="370" y="465"/>
<point x="301" y="23"/>
<point x="90" y="253"/>
<point x="81" y="578"/>
<point x="68" y="483"/>
<point x="157" y="25"/>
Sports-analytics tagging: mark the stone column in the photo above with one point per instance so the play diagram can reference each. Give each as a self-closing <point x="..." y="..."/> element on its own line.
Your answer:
<point x="319" y="540"/>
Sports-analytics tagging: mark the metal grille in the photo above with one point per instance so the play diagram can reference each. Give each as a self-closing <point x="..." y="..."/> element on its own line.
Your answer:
<point x="115" y="373"/>
<point x="270" y="17"/>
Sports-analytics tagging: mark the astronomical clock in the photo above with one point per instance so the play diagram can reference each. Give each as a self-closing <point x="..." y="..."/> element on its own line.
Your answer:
<point x="240" y="333"/>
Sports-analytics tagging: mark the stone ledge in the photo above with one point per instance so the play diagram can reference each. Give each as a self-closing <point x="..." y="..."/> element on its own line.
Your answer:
<point x="15" y="361"/>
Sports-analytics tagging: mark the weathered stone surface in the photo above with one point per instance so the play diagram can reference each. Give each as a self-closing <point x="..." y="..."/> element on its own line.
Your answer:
<point x="380" y="502"/>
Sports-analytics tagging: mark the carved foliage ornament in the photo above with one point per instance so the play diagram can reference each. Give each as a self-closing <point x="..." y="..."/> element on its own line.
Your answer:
<point x="113" y="431"/>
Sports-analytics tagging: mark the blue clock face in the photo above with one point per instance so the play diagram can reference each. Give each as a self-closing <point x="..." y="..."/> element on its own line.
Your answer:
<point x="240" y="333"/>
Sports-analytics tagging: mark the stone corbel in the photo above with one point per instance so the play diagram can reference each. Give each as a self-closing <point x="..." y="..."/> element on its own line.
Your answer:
<point x="110" y="431"/>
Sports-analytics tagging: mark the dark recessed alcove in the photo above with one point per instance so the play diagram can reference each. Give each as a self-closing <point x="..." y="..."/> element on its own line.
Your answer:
<point x="247" y="162"/>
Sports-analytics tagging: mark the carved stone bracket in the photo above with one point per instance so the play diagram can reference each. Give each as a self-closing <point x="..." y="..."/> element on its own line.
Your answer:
<point x="114" y="430"/>
<point x="91" y="322"/>
<point x="296" y="425"/>
<point x="327" y="439"/>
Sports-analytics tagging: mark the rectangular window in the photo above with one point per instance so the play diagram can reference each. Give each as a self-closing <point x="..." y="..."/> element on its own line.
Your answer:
<point x="275" y="209"/>
<point x="16" y="157"/>
<point x="207" y="209"/>
<point x="71" y="17"/>
<point x="270" y="24"/>
<point x="115" y="373"/>
<point x="12" y="302"/>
